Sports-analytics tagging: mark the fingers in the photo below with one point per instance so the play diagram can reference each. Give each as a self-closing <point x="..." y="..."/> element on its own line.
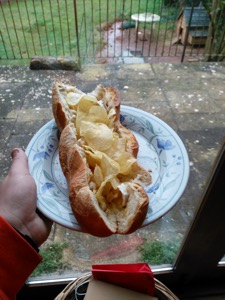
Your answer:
<point x="19" y="162"/>
<point x="43" y="234"/>
<point x="47" y="221"/>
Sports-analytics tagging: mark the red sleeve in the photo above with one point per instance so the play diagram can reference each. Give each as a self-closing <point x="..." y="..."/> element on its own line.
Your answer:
<point x="17" y="260"/>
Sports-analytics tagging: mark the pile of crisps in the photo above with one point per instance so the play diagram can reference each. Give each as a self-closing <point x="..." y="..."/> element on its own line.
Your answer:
<point x="106" y="152"/>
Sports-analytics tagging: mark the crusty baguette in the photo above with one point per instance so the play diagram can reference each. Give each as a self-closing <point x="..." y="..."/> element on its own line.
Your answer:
<point x="119" y="209"/>
<point x="64" y="115"/>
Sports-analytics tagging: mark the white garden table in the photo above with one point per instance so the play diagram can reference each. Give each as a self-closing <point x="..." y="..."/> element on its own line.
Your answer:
<point x="146" y="18"/>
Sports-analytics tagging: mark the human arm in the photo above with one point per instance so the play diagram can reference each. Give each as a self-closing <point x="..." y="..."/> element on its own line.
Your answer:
<point x="18" y="213"/>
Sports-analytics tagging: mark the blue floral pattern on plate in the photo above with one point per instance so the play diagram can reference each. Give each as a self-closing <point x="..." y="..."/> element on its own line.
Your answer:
<point x="160" y="151"/>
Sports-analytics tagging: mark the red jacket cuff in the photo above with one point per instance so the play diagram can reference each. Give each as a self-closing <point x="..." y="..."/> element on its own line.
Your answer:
<point x="17" y="260"/>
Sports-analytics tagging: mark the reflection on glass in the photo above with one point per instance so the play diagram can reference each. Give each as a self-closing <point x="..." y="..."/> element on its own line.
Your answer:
<point x="69" y="253"/>
<point x="222" y="261"/>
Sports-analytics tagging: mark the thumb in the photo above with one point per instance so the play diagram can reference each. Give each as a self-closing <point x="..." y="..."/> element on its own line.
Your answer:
<point x="19" y="162"/>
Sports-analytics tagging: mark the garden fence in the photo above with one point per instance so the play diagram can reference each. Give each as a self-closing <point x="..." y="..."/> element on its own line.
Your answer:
<point x="104" y="31"/>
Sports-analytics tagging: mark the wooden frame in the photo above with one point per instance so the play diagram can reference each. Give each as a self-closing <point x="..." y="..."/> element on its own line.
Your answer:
<point x="197" y="265"/>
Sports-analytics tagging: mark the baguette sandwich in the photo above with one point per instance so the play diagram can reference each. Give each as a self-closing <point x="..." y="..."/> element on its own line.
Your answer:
<point x="98" y="158"/>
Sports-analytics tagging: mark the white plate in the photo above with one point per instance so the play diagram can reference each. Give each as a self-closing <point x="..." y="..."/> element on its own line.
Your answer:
<point x="160" y="149"/>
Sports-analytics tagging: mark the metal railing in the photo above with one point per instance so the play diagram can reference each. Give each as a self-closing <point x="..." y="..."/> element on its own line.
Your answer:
<point x="106" y="30"/>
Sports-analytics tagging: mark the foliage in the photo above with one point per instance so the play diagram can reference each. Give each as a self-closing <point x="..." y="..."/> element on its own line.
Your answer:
<point x="157" y="253"/>
<point x="52" y="258"/>
<point x="215" y="46"/>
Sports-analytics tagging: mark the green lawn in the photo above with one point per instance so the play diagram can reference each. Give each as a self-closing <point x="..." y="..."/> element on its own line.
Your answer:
<point x="47" y="27"/>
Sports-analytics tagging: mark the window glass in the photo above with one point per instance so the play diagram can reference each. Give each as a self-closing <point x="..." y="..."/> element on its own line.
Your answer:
<point x="69" y="253"/>
<point x="189" y="98"/>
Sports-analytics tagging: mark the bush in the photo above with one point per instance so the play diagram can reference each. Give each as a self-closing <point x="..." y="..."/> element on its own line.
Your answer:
<point x="157" y="253"/>
<point x="52" y="259"/>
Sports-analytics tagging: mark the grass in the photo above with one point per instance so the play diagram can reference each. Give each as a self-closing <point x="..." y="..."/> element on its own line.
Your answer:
<point x="52" y="259"/>
<point x="47" y="28"/>
<point x="158" y="253"/>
